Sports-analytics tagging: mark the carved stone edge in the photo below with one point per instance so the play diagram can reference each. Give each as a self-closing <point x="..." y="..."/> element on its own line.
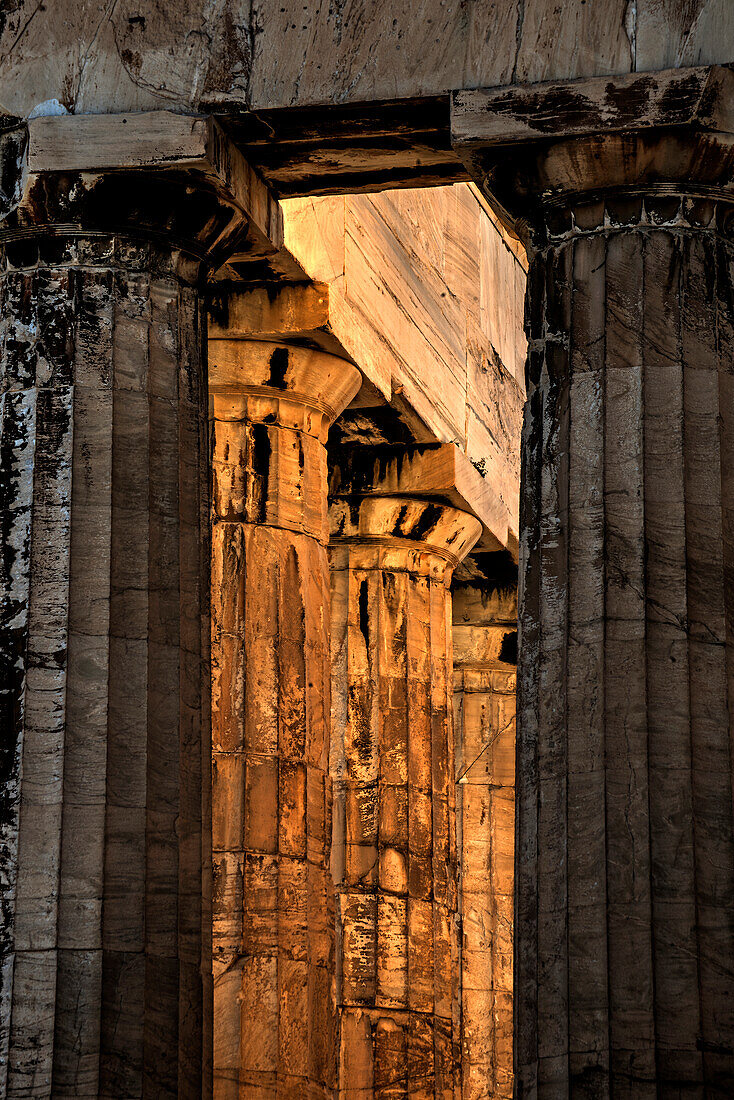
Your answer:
<point x="555" y="143"/>
<point x="701" y="98"/>
<point x="86" y="153"/>
<point x="411" y="523"/>
<point x="441" y="472"/>
<point x="155" y="141"/>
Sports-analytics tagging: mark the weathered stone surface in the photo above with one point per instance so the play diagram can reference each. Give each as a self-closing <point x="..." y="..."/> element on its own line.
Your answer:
<point x="274" y="1010"/>
<point x="394" y="856"/>
<point x="266" y="54"/>
<point x="425" y="294"/>
<point x="106" y="848"/>
<point x="625" y="830"/>
<point x="484" y="616"/>
<point x="105" y="693"/>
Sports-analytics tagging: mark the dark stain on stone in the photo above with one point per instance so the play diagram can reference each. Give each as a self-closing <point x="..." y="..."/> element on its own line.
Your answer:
<point x="13" y="140"/>
<point x="508" y="650"/>
<point x="631" y="101"/>
<point x="680" y="99"/>
<point x="132" y="61"/>
<point x="364" y="619"/>
<point x="489" y="570"/>
<point x="547" y="110"/>
<point x="278" y="368"/>
<point x="360" y="707"/>
<point x="261" y="448"/>
<point x="426" y="521"/>
<point x="400" y="518"/>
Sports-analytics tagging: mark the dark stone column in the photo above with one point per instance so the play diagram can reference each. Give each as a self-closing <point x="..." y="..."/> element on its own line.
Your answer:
<point x="625" y="895"/>
<point x="104" y="680"/>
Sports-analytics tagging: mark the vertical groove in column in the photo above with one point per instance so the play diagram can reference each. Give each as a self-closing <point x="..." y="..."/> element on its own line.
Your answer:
<point x="48" y="657"/>
<point x="79" y="971"/>
<point x="553" y="1007"/>
<point x="671" y="811"/>
<point x="123" y="919"/>
<point x="17" y="453"/>
<point x="526" y="959"/>
<point x="709" y="702"/>
<point x="724" y="321"/>
<point x="163" y="763"/>
<point x="397" y="878"/>
<point x="81" y="331"/>
<point x="631" y="986"/>
<point x="586" y="752"/>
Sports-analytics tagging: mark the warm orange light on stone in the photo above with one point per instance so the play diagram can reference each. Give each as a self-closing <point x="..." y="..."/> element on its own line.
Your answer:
<point x="394" y="858"/>
<point x="274" y="1010"/>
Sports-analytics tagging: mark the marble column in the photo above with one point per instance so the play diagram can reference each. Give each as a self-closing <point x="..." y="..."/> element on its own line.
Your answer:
<point x="485" y="645"/>
<point x="625" y="912"/>
<point x="104" y="693"/>
<point x="274" y="1010"/>
<point x="394" y="858"/>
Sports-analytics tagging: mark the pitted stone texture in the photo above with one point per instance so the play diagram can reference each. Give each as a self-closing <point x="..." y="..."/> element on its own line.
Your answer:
<point x="625" y="922"/>
<point x="274" y="1010"/>
<point x="104" y="695"/>
<point x="484" y="728"/>
<point x="394" y="858"/>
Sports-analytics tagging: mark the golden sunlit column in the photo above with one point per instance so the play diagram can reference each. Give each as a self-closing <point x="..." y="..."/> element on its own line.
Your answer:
<point x="485" y="644"/>
<point x="392" y="760"/>
<point x="274" y="1012"/>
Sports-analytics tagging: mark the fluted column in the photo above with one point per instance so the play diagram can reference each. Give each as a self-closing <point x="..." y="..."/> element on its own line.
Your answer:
<point x="625" y="913"/>
<point x="104" y="687"/>
<point x="394" y="858"/>
<point x="485" y="644"/>
<point x="274" y="1011"/>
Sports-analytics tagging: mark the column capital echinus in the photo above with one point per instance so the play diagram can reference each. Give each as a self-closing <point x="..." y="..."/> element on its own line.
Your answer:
<point x="89" y="182"/>
<point x="294" y="387"/>
<point x="271" y="406"/>
<point x="604" y="154"/>
<point x="408" y="534"/>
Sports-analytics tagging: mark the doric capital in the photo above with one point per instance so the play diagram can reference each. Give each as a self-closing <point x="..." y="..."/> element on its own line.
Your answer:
<point x="276" y="383"/>
<point x="439" y="471"/>
<point x="272" y="405"/>
<point x="401" y="533"/>
<point x="168" y="178"/>
<point x="543" y="151"/>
